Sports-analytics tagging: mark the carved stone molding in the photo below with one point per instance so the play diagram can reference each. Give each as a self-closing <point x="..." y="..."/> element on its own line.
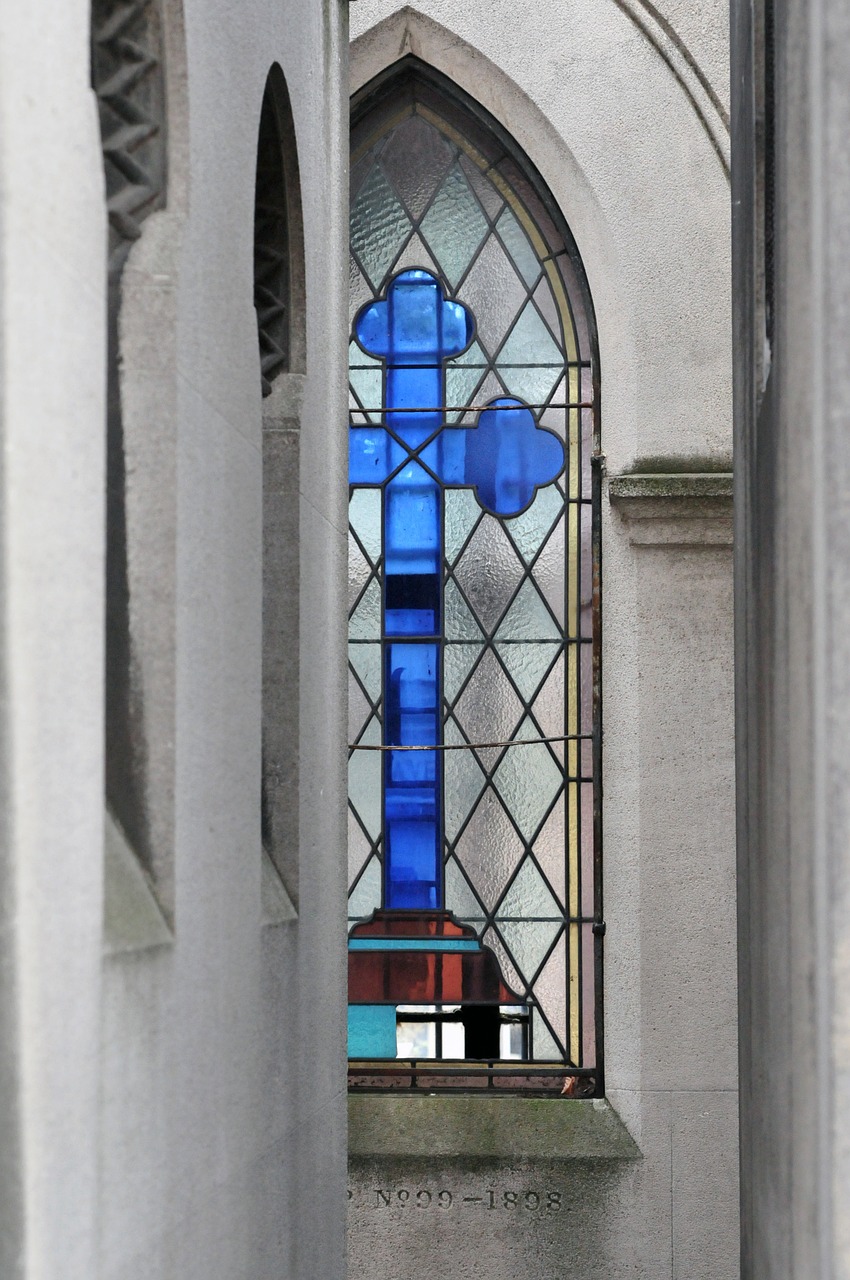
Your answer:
<point x="691" y="509"/>
<point x="696" y="86"/>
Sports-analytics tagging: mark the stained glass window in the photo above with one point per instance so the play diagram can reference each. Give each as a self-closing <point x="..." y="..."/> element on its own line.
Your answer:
<point x="475" y="900"/>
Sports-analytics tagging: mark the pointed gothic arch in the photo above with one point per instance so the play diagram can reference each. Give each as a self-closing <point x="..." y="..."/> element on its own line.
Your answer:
<point x="444" y="202"/>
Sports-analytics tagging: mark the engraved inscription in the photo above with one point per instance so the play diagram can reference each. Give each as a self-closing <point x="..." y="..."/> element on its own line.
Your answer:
<point x="502" y="1199"/>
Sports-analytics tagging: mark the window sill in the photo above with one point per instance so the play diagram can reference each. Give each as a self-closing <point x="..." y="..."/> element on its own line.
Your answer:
<point x="675" y="509"/>
<point x="392" y="1126"/>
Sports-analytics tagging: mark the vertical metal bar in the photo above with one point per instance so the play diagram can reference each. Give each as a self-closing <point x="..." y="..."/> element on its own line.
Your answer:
<point x="598" y="918"/>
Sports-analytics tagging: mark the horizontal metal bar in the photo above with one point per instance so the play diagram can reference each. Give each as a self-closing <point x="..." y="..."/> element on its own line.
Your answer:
<point x="472" y="408"/>
<point x="421" y="1066"/>
<point x="414" y="944"/>
<point x="473" y="746"/>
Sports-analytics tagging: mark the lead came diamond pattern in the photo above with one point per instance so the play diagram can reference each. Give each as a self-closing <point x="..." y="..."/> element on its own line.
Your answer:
<point x="528" y="779"/>
<point x="508" y="671"/>
<point x="379" y="226"/>
<point x="488" y="709"/>
<point x="454" y="226"/>
<point x="489" y="572"/>
<point x="489" y="848"/>
<point x="416" y="159"/>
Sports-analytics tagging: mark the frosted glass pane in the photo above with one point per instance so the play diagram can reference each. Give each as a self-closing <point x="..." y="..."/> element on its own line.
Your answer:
<point x="544" y="1047"/>
<point x="489" y="572"/>
<point x="528" y="618"/>
<point x="462" y="513"/>
<point x="550" y="989"/>
<point x="528" y="897"/>
<point x="550" y="848"/>
<point x="528" y="530"/>
<point x="528" y="664"/>
<point x="489" y="848"/>
<point x="492" y="940"/>
<point x="364" y="514"/>
<point x="365" y="622"/>
<point x="487" y="194"/>
<point x="464" y="782"/>
<point x="366" y="896"/>
<point x="359" y="292"/>
<point x="364" y="781"/>
<point x="366" y="660"/>
<point x="366" y="383"/>
<point x="494" y="292"/>
<point x="458" y="661"/>
<point x="528" y="780"/>
<point x="358" y="847"/>
<point x="545" y="300"/>
<point x="358" y="708"/>
<point x="358" y="572"/>
<point x="460" y="899"/>
<point x="549" y="708"/>
<point x="488" y="709"/>
<point x="462" y="381"/>
<point x="415" y="256"/>
<point x="530" y="343"/>
<point x="550" y="570"/>
<point x="415" y="159"/>
<point x="359" y="173"/>
<point x="528" y="941"/>
<point x="454" y="1040"/>
<point x="460" y="624"/>
<point x="518" y="246"/>
<point x="416" y="1039"/>
<point x="454" y="226"/>
<point x="379" y="226"/>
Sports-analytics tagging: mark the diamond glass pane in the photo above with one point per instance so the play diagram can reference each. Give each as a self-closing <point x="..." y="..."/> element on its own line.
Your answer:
<point x="454" y="226"/>
<point x="379" y="226"/>
<point x="528" y="779"/>
<point x="489" y="849"/>
<point x="471" y="576"/>
<point x="416" y="159"/>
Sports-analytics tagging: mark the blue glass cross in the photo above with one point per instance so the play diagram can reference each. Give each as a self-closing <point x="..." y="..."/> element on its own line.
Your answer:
<point x="505" y="457"/>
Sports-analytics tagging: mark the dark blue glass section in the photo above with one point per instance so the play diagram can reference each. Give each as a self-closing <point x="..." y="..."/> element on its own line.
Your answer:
<point x="412" y="778"/>
<point x="412" y="554"/>
<point x="505" y="457"/>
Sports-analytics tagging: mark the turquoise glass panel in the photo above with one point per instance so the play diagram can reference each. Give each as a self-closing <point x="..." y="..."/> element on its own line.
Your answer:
<point x="371" y="1031"/>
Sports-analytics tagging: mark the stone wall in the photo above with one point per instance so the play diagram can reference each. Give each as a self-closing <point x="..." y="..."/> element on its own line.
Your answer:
<point x="172" y="1101"/>
<point x="791" y="183"/>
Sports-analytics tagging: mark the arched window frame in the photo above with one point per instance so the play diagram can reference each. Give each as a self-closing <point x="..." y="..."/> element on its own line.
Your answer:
<point x="410" y="86"/>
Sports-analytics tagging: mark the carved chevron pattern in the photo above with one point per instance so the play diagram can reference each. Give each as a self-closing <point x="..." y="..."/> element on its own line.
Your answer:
<point x="271" y="252"/>
<point x="127" y="76"/>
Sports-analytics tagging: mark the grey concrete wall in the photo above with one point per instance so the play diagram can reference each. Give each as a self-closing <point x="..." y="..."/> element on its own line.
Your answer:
<point x="52" y="415"/>
<point x="621" y="106"/>
<point x="792" y="407"/>
<point x="173" y="1092"/>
